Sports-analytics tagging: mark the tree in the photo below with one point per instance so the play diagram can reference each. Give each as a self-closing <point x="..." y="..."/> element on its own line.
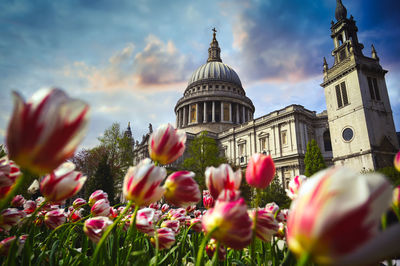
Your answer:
<point x="203" y="152"/>
<point x="313" y="159"/>
<point x="275" y="193"/>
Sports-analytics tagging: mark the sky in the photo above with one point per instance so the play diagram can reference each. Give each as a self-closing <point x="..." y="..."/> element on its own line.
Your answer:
<point x="131" y="59"/>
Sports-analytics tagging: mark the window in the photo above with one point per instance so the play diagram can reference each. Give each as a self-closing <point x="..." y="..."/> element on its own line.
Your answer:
<point x="216" y="86"/>
<point x="347" y="134"/>
<point x="374" y="89"/>
<point x="226" y="111"/>
<point x="341" y="94"/>
<point x="327" y="141"/>
<point x="264" y="144"/>
<point x="193" y="113"/>
<point x="284" y="137"/>
<point x="242" y="149"/>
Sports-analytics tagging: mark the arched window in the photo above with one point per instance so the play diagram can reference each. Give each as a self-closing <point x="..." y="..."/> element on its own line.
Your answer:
<point x="327" y="141"/>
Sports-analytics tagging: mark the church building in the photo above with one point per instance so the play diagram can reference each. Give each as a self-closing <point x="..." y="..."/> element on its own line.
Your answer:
<point x="357" y="130"/>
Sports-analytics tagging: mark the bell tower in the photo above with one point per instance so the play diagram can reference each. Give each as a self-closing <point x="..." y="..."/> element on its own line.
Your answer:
<point x="359" y="114"/>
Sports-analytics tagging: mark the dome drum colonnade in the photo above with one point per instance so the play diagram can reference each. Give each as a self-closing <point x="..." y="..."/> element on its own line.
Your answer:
<point x="214" y="99"/>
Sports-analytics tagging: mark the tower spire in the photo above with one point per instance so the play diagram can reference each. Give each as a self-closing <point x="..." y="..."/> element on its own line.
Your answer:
<point x="341" y="11"/>
<point x="214" y="51"/>
<point x="374" y="54"/>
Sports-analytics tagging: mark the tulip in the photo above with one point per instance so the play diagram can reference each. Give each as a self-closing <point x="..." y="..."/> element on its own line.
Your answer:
<point x="95" y="227"/>
<point x="229" y="223"/>
<point x="272" y="207"/>
<point x="178" y="215"/>
<point x="223" y="177"/>
<point x="229" y="195"/>
<point x="40" y="218"/>
<point x="336" y="211"/>
<point x="396" y="197"/>
<point x="101" y="208"/>
<point x="155" y="206"/>
<point x="282" y="216"/>
<point x="281" y="231"/>
<point x="196" y="224"/>
<point x="54" y="219"/>
<point x="260" y="171"/>
<point x="46" y="130"/>
<point x="79" y="202"/>
<point x="266" y="225"/>
<point x="294" y="186"/>
<point x="142" y="183"/>
<point x="212" y="246"/>
<point x="5" y="245"/>
<point x="397" y="161"/>
<point x="166" y="238"/>
<point x="9" y="172"/>
<point x="75" y="215"/>
<point x="144" y="221"/>
<point x="197" y="213"/>
<point x="191" y="208"/>
<point x="208" y="200"/>
<point x="10" y="217"/>
<point x="181" y="189"/>
<point x="113" y="213"/>
<point x="29" y="206"/>
<point x="166" y="144"/>
<point x="18" y="201"/>
<point x="174" y="225"/>
<point x="97" y="195"/>
<point x="62" y="183"/>
<point x="164" y="207"/>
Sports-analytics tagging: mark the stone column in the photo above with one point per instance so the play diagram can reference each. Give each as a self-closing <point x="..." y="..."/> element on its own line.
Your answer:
<point x="177" y="119"/>
<point x="244" y="114"/>
<point x="222" y="112"/>
<point x="205" y="112"/>
<point x="184" y="116"/>
<point x="237" y="114"/>
<point x="197" y="112"/>
<point x="213" y="111"/>
<point x="190" y="114"/>
<point x="230" y="112"/>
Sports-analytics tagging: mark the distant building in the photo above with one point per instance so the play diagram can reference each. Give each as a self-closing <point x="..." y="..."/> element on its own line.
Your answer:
<point x="356" y="130"/>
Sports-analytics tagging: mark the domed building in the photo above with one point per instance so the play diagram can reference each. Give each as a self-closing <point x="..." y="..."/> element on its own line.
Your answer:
<point x="214" y="99"/>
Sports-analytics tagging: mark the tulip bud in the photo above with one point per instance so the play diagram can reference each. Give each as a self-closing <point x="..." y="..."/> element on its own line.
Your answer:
<point x="166" y="144"/>
<point x="97" y="195"/>
<point x="181" y="189"/>
<point x="294" y="186"/>
<point x="101" y="208"/>
<point x="260" y="171"/>
<point x="142" y="183"/>
<point x="208" y="200"/>
<point x="166" y="238"/>
<point x="231" y="224"/>
<point x="78" y="203"/>
<point x="164" y="207"/>
<point x="223" y="177"/>
<point x="95" y="227"/>
<point x="29" y="206"/>
<point x="62" y="183"/>
<point x="55" y="218"/>
<point x="18" y="201"/>
<point x="46" y="130"/>
<point x="144" y="221"/>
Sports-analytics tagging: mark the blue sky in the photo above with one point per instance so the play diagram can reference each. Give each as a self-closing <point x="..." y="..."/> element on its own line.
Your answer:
<point x="131" y="60"/>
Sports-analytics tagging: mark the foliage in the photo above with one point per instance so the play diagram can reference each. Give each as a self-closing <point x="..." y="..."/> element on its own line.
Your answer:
<point x="2" y="150"/>
<point x="313" y="159"/>
<point x="202" y="152"/>
<point x="275" y="193"/>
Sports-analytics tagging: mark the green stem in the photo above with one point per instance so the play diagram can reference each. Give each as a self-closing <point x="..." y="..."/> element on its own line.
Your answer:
<point x="199" y="260"/>
<point x="6" y="201"/>
<point x="253" y="239"/>
<point x="107" y="232"/>
<point x="305" y="257"/>
<point x="215" y="256"/>
<point x="157" y="246"/>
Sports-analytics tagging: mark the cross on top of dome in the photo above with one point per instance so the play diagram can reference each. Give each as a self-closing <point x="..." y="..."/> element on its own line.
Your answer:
<point x="214" y="51"/>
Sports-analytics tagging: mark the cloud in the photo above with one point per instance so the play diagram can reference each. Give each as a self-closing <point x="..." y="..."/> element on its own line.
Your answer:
<point x="158" y="66"/>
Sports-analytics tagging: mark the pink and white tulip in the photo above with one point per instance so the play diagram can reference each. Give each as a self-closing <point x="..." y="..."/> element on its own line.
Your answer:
<point x="45" y="131"/>
<point x="397" y="161"/>
<point x="223" y="177"/>
<point x="196" y="224"/>
<point x="212" y="246"/>
<point x="101" y="208"/>
<point x="181" y="189"/>
<point x="18" y="201"/>
<point x="55" y="218"/>
<point x="231" y="224"/>
<point x="272" y="207"/>
<point x="142" y="183"/>
<point x="5" y="245"/>
<point x="336" y="211"/>
<point x="294" y="186"/>
<point x="9" y="172"/>
<point x="79" y="202"/>
<point x="95" y="227"/>
<point x="166" y="238"/>
<point x="266" y="225"/>
<point x="29" y="206"/>
<point x="260" y="171"/>
<point x="97" y="195"/>
<point x="144" y="221"/>
<point x="208" y="200"/>
<point x="166" y="144"/>
<point x="62" y="183"/>
<point x="174" y="225"/>
<point x="10" y="217"/>
<point x="164" y="207"/>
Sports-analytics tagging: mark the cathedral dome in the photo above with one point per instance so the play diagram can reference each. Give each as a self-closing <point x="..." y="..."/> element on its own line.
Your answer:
<point x="215" y="70"/>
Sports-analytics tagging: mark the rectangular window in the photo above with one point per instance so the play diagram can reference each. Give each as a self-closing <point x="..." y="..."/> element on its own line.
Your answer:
<point x="193" y="113"/>
<point x="263" y="144"/>
<point x="226" y="111"/>
<point x="242" y="149"/>
<point x="341" y="94"/>
<point x="284" y="137"/>
<point x="371" y="88"/>
<point x="376" y="89"/>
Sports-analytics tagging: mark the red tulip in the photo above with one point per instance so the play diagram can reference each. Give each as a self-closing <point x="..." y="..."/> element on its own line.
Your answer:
<point x="101" y="208"/>
<point x="266" y="225"/>
<point x="336" y="211"/>
<point x="181" y="189"/>
<point x="142" y="183"/>
<point x="260" y="171"/>
<point x="46" y="130"/>
<point x="166" y="238"/>
<point x="55" y="218"/>
<point x="95" y="227"/>
<point x="232" y="224"/>
<point x="75" y="215"/>
<point x="113" y="213"/>
<point x="97" y="195"/>
<point x="62" y="183"/>
<point x="223" y="177"/>
<point x="166" y="144"/>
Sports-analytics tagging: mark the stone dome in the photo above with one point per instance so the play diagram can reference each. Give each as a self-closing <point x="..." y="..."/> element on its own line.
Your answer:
<point x="215" y="70"/>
